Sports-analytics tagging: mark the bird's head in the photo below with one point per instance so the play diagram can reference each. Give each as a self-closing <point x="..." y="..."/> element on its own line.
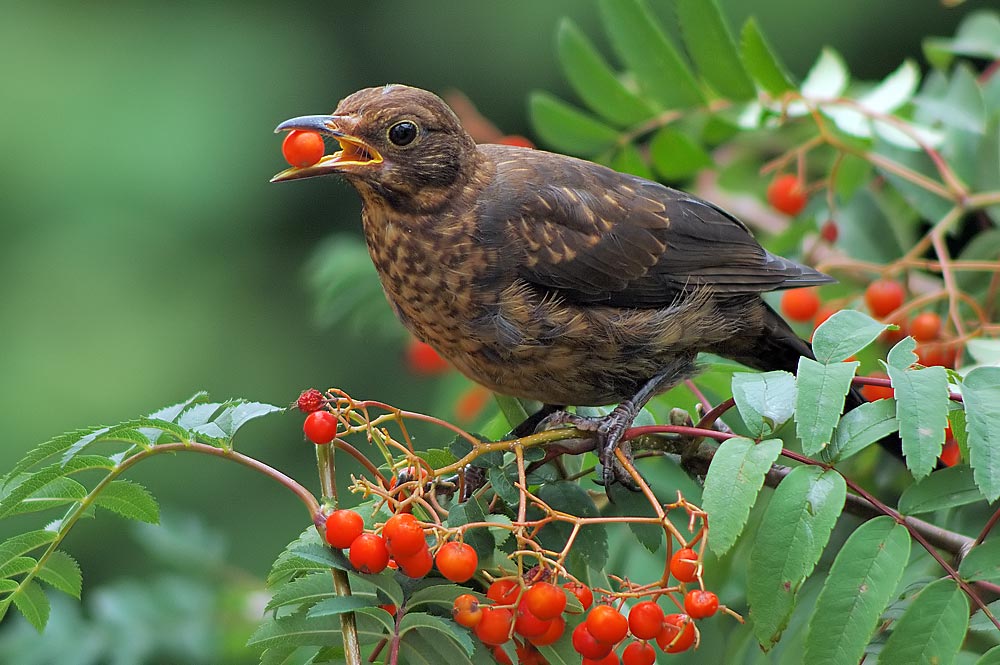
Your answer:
<point x="396" y="142"/>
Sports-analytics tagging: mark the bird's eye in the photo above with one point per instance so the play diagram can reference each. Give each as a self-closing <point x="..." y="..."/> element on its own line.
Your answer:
<point x="403" y="133"/>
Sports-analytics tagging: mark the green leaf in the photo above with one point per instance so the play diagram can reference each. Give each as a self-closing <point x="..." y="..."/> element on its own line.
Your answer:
<point x="942" y="489"/>
<point x="922" y="413"/>
<point x="982" y="563"/>
<point x="595" y="82"/>
<point x="853" y="173"/>
<point x="387" y="584"/>
<point x="626" y="503"/>
<point x="980" y="623"/>
<point x="661" y="73"/>
<point x="481" y="540"/>
<point x="130" y="500"/>
<point x="420" y="647"/>
<point x="24" y="543"/>
<point x="761" y="61"/>
<point x="502" y="483"/>
<point x="57" y="492"/>
<point x="790" y="540"/>
<point x="63" y="573"/>
<point x="731" y="487"/>
<point x="711" y="47"/>
<point x="238" y="413"/>
<point x="590" y="549"/>
<point x="426" y="622"/>
<point x="861" y="582"/>
<point x="891" y="93"/>
<point x="765" y="400"/>
<point x="306" y="590"/>
<point x="991" y="657"/>
<point x="31" y="601"/>
<point x="298" y="630"/>
<point x="17" y="566"/>
<point x="28" y="485"/>
<point x="675" y="155"/>
<point x="976" y="37"/>
<point x="438" y="594"/>
<point x="381" y="616"/>
<point x="931" y="629"/>
<point x="861" y="427"/>
<point x="628" y="159"/>
<point x="928" y="203"/>
<point x="981" y="392"/>
<point x="568" y="129"/>
<point x="338" y="605"/>
<point x="820" y="400"/>
<point x="828" y="77"/>
<point x="844" y="334"/>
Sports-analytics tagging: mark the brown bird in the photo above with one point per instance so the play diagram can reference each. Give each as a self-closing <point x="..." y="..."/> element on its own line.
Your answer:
<point x="547" y="277"/>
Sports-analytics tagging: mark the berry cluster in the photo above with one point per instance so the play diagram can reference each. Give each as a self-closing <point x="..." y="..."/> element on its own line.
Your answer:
<point x="533" y="616"/>
<point x="401" y="544"/>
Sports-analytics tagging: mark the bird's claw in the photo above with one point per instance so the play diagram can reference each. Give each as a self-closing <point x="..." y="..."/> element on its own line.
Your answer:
<point x="608" y="431"/>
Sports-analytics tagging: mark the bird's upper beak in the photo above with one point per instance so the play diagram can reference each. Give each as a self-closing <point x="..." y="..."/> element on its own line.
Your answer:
<point x="353" y="150"/>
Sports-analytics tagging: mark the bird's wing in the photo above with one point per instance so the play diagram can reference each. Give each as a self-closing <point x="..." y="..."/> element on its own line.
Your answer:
<point x="598" y="236"/>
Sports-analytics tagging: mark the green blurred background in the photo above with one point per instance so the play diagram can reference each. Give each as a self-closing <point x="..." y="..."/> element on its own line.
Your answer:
<point x="145" y="256"/>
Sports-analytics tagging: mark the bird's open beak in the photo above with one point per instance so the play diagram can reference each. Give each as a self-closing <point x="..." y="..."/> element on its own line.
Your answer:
<point x="353" y="151"/>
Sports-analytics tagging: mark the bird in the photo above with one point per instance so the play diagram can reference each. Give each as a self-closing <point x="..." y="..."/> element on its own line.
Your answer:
<point x="547" y="277"/>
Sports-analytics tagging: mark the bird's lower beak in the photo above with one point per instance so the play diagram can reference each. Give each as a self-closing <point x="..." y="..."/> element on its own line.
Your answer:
<point x="353" y="152"/>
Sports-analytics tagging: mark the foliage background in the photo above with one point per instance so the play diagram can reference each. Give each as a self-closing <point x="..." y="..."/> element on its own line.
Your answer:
<point x="145" y="256"/>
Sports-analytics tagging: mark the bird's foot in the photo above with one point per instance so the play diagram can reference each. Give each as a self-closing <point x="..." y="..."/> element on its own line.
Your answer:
<point x="608" y="431"/>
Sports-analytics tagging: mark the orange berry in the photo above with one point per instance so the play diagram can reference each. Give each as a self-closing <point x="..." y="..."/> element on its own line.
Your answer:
<point x="678" y="633"/>
<point x="457" y="561"/>
<point x="684" y="565"/>
<point x="546" y="601"/>
<point x="607" y="624"/>
<point x="786" y="194"/>
<point x="422" y="359"/>
<point x="925" y="327"/>
<point x="800" y="304"/>
<point x="302" y="148"/>
<point x="884" y="296"/>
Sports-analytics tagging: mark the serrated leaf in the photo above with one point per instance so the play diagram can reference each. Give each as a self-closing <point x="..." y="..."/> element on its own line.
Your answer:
<point x="931" y="629"/>
<point x="63" y="573"/>
<point x="595" y="82"/>
<point x="387" y="584"/>
<point x="339" y="605"/>
<point x="861" y="582"/>
<point x="790" y="540"/>
<point x="503" y="485"/>
<point x="481" y="540"/>
<point x="299" y="630"/>
<point x="590" y="549"/>
<point x="981" y="392"/>
<point x="946" y="488"/>
<point x="861" y="427"/>
<point x="844" y="334"/>
<point x="661" y="73"/>
<point x="711" y="47"/>
<point x="731" y="486"/>
<point x="24" y="543"/>
<point x="17" y="566"/>
<point x="381" y="616"/>
<point x="57" y="492"/>
<point x="130" y="500"/>
<point x="982" y="563"/>
<point x="568" y="129"/>
<point x="820" y="400"/>
<point x="761" y="61"/>
<point x="32" y="483"/>
<point x="33" y="604"/>
<point x="675" y="155"/>
<point x="443" y="595"/>
<point x="500" y="534"/>
<point x="991" y="657"/>
<point x="922" y="412"/>
<point x="437" y="457"/>
<point x="238" y="413"/>
<point x="321" y="554"/>
<point x="306" y="590"/>
<point x="425" y="622"/>
<point x="765" y="400"/>
<point x="6" y="587"/>
<point x="420" y="648"/>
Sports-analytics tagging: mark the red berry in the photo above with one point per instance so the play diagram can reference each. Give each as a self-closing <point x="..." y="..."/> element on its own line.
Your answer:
<point x="418" y="564"/>
<point x="516" y="140"/>
<point x="403" y="535"/>
<point x="552" y="634"/>
<point x="342" y="527"/>
<point x="925" y="327"/>
<point x="884" y="296"/>
<point x="527" y="624"/>
<point x="546" y="601"/>
<point x="582" y="593"/>
<point x="786" y="194"/>
<point x="800" y="304"/>
<point x="872" y="393"/>
<point x="829" y="231"/>
<point x="457" y="561"/>
<point x="638" y="653"/>
<point x="471" y="403"/>
<point x="607" y="624"/>
<point x="684" y="565"/>
<point x="893" y="337"/>
<point x="390" y="608"/>
<point x="503" y="591"/>
<point x="369" y="554"/>
<point x="645" y="620"/>
<point x="309" y="401"/>
<point x="822" y="315"/>
<point x="700" y="604"/>
<point x="943" y="355"/>
<point x="466" y="610"/>
<point x="422" y="359"/>
<point x="302" y="148"/>
<point x="320" y="427"/>
<point x="610" y="659"/>
<point x="494" y="627"/>
<point x="951" y="454"/>
<point x="678" y="633"/>
<point x="587" y="645"/>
